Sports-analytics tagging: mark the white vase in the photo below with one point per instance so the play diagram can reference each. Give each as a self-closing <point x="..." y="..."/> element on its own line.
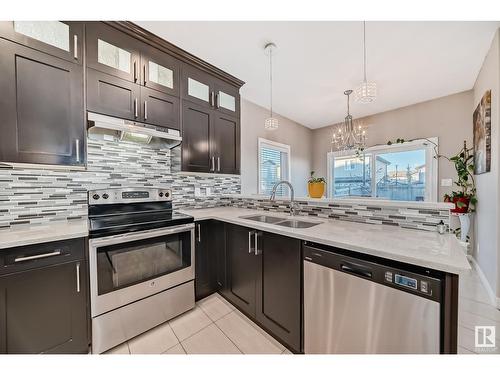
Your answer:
<point x="464" y="226"/>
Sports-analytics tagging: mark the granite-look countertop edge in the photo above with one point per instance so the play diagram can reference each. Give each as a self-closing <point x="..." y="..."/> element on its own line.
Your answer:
<point x="41" y="233"/>
<point x="421" y="248"/>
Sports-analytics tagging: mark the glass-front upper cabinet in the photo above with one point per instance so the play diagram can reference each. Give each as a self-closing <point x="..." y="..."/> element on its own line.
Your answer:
<point x="57" y="38"/>
<point x="113" y="52"/>
<point x="227" y="99"/>
<point x="160" y="71"/>
<point x="198" y="87"/>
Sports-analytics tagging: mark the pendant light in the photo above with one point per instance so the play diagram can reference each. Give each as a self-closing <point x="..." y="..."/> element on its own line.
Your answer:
<point x="348" y="135"/>
<point x="367" y="91"/>
<point x="270" y="123"/>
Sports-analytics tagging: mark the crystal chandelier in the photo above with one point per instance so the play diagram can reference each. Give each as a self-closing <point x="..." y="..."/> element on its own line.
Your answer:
<point x="270" y="123"/>
<point x="349" y="135"/>
<point x="367" y="91"/>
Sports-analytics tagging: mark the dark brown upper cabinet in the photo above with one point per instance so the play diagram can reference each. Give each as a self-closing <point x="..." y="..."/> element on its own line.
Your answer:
<point x="42" y="108"/>
<point x="198" y="87"/>
<point x="210" y="140"/>
<point x="196" y="124"/>
<point x="57" y="38"/>
<point x="113" y="52"/>
<point x="109" y="95"/>
<point x="116" y="97"/>
<point x="225" y="143"/>
<point x="160" y="71"/>
<point x="206" y="90"/>
<point x="227" y="98"/>
<point x="160" y="109"/>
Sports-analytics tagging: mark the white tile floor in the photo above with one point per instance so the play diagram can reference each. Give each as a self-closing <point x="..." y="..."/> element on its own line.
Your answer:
<point x="212" y="327"/>
<point x="215" y="327"/>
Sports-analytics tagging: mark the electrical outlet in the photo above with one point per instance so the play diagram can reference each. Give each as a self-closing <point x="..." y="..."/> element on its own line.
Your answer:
<point x="446" y="182"/>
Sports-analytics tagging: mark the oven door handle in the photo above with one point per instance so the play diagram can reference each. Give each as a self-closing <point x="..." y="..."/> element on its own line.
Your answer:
<point x="128" y="237"/>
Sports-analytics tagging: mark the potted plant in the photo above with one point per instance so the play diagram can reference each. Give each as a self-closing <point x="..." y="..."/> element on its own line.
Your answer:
<point x="316" y="186"/>
<point x="464" y="199"/>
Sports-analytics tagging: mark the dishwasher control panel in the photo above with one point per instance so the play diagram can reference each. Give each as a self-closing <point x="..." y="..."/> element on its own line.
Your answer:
<point x="381" y="271"/>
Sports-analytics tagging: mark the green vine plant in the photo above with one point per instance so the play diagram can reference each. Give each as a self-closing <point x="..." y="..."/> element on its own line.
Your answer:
<point x="464" y="165"/>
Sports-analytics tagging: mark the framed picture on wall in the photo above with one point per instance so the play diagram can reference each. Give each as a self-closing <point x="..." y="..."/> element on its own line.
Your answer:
<point x="482" y="135"/>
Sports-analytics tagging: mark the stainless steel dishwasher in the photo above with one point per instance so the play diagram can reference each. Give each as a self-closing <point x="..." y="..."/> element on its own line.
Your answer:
<point x="353" y="306"/>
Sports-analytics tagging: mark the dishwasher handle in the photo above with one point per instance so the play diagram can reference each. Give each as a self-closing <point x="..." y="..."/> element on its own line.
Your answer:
<point x="356" y="270"/>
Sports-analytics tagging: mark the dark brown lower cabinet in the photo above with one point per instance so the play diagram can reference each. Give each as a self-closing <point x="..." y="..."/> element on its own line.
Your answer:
<point x="209" y="258"/>
<point x="43" y="308"/>
<point x="278" y="288"/>
<point x="264" y="273"/>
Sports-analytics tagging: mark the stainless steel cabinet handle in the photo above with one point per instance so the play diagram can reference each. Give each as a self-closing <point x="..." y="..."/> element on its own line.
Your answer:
<point x="213" y="164"/>
<point x="218" y="163"/>
<point x="135" y="108"/>
<point x="77" y="150"/>
<point x="78" y="277"/>
<point x="257" y="251"/>
<point x="198" y="227"/>
<point x="217" y="100"/>
<point x="250" y="233"/>
<point x="38" y="256"/>
<point x="75" y="46"/>
<point x="135" y="71"/>
<point x="212" y="101"/>
<point x="145" y="109"/>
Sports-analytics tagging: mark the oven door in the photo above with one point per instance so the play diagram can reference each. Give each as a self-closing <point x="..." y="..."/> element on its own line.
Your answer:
<point x="128" y="267"/>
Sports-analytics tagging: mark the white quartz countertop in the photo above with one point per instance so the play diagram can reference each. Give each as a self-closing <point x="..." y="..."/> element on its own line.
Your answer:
<point x="33" y="234"/>
<point x="421" y="248"/>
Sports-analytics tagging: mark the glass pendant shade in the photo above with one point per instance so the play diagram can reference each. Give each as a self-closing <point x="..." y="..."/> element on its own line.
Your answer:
<point x="366" y="92"/>
<point x="271" y="123"/>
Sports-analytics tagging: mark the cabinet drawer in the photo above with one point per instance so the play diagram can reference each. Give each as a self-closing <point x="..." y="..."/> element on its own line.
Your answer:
<point x="41" y="255"/>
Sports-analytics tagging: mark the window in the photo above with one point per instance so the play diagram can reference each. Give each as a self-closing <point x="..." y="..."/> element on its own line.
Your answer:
<point x="403" y="172"/>
<point x="274" y="166"/>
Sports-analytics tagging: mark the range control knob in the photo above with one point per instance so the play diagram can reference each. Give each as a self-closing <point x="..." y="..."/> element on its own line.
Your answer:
<point x="95" y="196"/>
<point x="161" y="194"/>
<point x="105" y="196"/>
<point x="167" y="194"/>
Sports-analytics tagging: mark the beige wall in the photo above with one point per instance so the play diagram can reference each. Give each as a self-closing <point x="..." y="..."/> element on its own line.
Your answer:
<point x="448" y="118"/>
<point x="289" y="132"/>
<point x="486" y="251"/>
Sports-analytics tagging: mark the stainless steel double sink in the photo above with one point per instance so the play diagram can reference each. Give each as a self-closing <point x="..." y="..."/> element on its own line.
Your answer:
<point x="290" y="223"/>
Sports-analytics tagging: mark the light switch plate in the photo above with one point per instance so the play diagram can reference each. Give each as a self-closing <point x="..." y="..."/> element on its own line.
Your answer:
<point x="446" y="182"/>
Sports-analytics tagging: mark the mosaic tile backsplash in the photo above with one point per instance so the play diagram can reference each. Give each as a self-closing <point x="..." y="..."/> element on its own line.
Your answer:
<point x="404" y="217"/>
<point x="29" y="196"/>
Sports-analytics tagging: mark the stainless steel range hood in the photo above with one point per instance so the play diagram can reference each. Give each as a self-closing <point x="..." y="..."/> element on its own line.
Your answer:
<point x="132" y="131"/>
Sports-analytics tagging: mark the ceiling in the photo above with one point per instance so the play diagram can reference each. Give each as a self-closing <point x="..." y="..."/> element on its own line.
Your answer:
<point x="315" y="62"/>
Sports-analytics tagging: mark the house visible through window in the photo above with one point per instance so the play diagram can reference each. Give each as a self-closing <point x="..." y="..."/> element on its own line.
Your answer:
<point x="274" y="166"/>
<point x="403" y="172"/>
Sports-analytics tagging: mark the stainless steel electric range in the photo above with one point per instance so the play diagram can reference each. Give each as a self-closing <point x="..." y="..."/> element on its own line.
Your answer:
<point x="141" y="256"/>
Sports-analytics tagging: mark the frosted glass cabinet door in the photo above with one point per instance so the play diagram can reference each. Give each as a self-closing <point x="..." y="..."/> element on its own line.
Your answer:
<point x="198" y="87"/>
<point x="227" y="99"/>
<point x="160" y="71"/>
<point x="113" y="52"/>
<point x="57" y="38"/>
